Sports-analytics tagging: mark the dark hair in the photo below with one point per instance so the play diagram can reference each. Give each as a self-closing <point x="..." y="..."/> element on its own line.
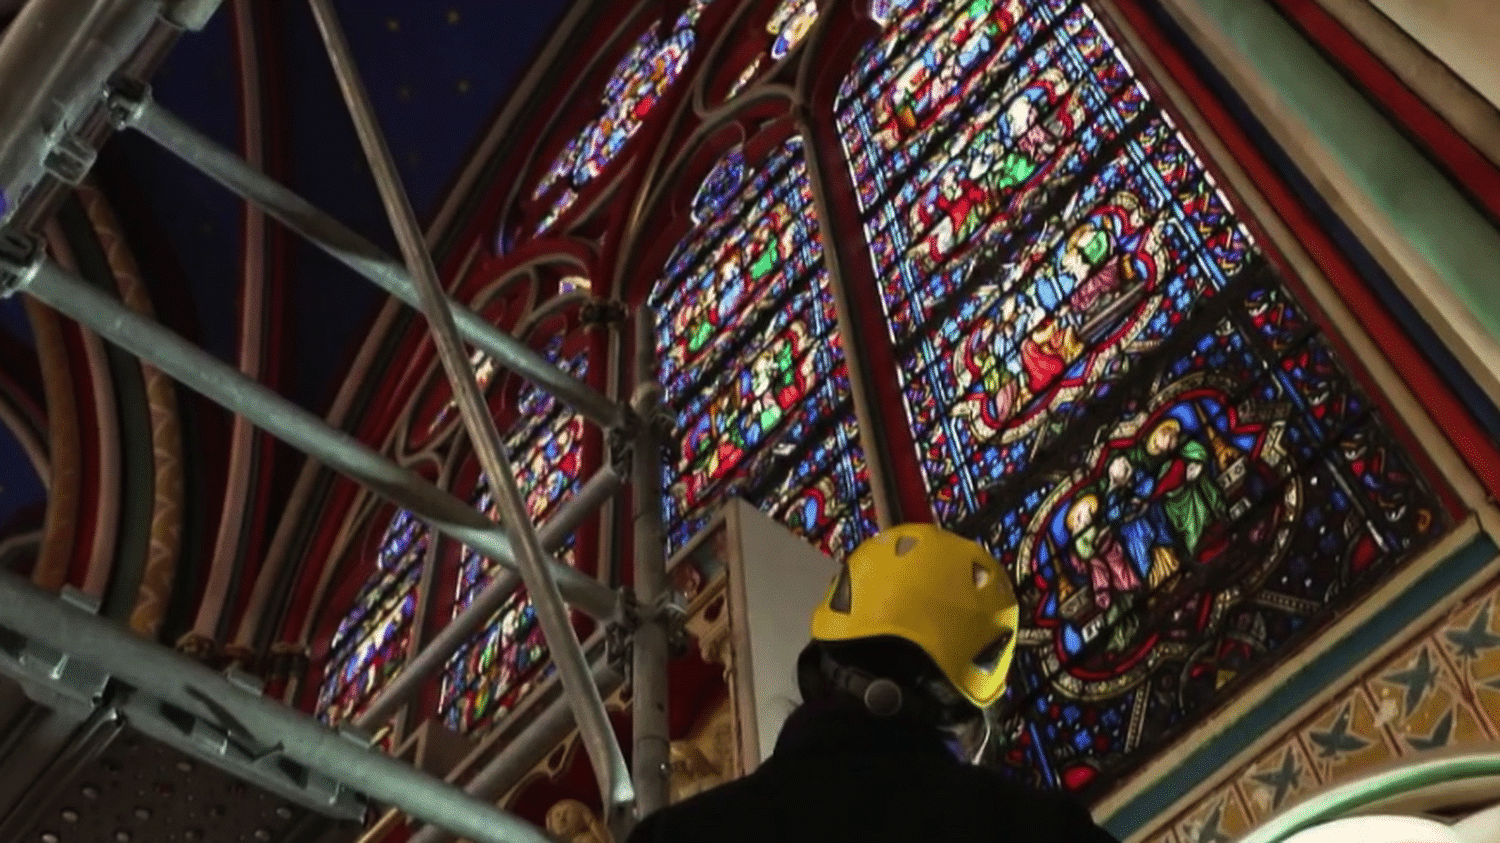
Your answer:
<point x="886" y="657"/>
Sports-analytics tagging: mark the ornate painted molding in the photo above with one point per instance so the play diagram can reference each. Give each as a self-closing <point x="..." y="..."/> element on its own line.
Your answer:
<point x="166" y="428"/>
<point x="51" y="570"/>
<point x="1440" y="689"/>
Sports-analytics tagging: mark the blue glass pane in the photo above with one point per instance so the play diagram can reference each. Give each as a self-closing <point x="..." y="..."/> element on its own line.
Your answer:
<point x="752" y="362"/>
<point x="370" y="643"/>
<point x="1105" y="382"/>
<point x="489" y="674"/>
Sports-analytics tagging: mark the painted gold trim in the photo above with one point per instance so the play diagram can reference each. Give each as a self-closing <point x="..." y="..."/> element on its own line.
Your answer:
<point x="1461" y="33"/>
<point x="106" y="429"/>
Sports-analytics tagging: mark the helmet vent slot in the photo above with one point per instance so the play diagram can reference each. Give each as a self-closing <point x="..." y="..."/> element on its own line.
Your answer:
<point x="842" y="594"/>
<point x="905" y="545"/>
<point x="989" y="658"/>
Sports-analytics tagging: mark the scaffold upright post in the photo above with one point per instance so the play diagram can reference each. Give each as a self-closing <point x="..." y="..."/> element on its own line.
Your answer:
<point x="552" y="614"/>
<point x="652" y="750"/>
<point x="431" y="658"/>
<point x="135" y="108"/>
<point x="226" y="386"/>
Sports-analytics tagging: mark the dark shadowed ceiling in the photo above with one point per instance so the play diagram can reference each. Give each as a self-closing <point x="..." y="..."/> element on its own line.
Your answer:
<point x="437" y="70"/>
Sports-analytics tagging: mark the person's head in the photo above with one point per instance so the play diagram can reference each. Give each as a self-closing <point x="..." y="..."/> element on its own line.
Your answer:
<point x="1019" y="115"/>
<point x="1164" y="437"/>
<point x="1120" y="471"/>
<point x="1008" y="308"/>
<point x="920" y="623"/>
<point x="1086" y="250"/>
<point x="1081" y="513"/>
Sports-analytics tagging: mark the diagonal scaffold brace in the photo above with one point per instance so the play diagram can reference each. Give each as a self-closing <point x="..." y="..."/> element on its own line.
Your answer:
<point x="132" y="107"/>
<point x="616" y="790"/>
<point x="23" y="267"/>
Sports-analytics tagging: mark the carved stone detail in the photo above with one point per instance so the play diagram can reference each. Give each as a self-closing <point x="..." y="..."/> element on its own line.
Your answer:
<point x="708" y="622"/>
<point x="708" y="759"/>
<point x="571" y="821"/>
<point x="199" y="647"/>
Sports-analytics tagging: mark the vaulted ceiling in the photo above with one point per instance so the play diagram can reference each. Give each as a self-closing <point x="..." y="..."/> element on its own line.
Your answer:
<point x="257" y="80"/>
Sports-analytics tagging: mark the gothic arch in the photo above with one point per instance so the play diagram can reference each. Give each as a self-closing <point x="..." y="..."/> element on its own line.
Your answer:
<point x="1017" y="245"/>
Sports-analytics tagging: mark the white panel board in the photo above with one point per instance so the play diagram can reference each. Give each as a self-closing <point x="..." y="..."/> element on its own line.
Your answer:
<point x="776" y="581"/>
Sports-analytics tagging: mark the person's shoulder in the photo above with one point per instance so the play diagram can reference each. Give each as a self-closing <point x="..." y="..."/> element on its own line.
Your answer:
<point x="686" y="820"/>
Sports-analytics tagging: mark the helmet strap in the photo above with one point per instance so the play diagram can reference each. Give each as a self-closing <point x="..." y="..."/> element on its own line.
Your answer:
<point x="984" y="744"/>
<point x="881" y="697"/>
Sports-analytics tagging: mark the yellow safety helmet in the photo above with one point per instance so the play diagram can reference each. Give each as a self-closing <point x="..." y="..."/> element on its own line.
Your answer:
<point x="941" y="592"/>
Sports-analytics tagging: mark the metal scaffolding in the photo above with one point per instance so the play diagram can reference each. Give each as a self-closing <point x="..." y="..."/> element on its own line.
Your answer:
<point x="79" y="69"/>
<point x="66" y="655"/>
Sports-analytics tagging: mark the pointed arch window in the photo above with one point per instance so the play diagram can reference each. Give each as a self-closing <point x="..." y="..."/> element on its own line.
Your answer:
<point x="752" y="362"/>
<point x="1106" y="381"/>
<point x="371" y="642"/>
<point x="493" y="671"/>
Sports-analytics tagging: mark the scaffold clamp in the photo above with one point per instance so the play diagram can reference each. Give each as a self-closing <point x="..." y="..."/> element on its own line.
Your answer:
<point x="197" y="720"/>
<point x="21" y="257"/>
<point x="669" y="608"/>
<point x="70" y="159"/>
<point x="127" y="98"/>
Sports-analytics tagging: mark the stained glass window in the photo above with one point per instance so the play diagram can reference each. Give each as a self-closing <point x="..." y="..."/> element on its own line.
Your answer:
<point x="789" y="24"/>
<point x="752" y="363"/>
<point x="746" y="77"/>
<point x="493" y="671"/>
<point x="371" y="642"/>
<point x="638" y="83"/>
<point x="880" y="10"/>
<point x="1105" y="380"/>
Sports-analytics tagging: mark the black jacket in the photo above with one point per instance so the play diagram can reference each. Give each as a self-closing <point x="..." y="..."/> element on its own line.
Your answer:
<point x="840" y="775"/>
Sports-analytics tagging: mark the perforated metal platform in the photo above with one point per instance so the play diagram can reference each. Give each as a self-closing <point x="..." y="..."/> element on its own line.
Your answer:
<point x="130" y="789"/>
